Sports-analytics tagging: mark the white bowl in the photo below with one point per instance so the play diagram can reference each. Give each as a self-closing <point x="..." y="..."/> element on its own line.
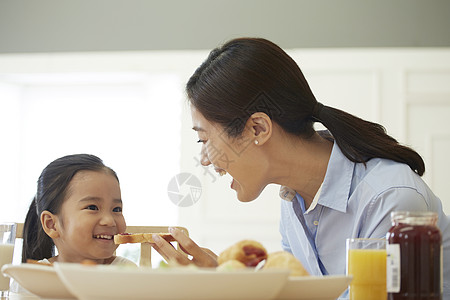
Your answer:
<point x="116" y="282"/>
<point x="314" y="287"/>
<point x="43" y="281"/>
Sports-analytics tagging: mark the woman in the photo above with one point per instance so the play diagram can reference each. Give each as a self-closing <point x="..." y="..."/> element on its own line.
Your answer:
<point x="251" y="103"/>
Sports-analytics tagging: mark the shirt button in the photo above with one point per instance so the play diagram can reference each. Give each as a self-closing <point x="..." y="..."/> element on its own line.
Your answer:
<point x="316" y="223"/>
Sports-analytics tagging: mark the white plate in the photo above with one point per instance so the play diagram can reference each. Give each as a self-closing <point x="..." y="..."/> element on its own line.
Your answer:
<point x="115" y="282"/>
<point x="314" y="287"/>
<point x="43" y="281"/>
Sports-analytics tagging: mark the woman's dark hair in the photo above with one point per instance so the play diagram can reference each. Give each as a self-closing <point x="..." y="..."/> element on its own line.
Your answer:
<point x="249" y="75"/>
<point x="51" y="192"/>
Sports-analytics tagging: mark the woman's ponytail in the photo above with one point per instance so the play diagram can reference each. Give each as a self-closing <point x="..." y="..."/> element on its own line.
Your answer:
<point x="361" y="140"/>
<point x="37" y="244"/>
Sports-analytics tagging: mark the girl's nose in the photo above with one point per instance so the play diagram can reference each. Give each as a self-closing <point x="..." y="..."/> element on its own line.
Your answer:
<point x="107" y="220"/>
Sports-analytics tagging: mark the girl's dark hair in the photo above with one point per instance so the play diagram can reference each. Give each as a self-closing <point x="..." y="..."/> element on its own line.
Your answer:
<point x="51" y="192"/>
<point x="249" y="75"/>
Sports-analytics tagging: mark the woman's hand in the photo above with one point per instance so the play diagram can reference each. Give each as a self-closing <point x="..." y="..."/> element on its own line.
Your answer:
<point x="201" y="257"/>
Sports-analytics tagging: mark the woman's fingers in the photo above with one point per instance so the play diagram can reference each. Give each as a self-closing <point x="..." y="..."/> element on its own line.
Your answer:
<point x="210" y="253"/>
<point x="168" y="252"/>
<point x="186" y="244"/>
<point x="200" y="256"/>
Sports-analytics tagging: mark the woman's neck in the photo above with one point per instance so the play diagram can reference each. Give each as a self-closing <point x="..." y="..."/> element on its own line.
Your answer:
<point x="300" y="164"/>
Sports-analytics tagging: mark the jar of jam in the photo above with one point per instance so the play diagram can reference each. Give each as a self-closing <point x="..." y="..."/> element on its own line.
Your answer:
<point x="414" y="263"/>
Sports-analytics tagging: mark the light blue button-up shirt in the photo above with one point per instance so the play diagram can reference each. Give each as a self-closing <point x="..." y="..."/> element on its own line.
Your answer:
<point x="356" y="202"/>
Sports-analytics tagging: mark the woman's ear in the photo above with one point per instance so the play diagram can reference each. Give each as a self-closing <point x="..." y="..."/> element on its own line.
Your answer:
<point x="260" y="127"/>
<point x="49" y="224"/>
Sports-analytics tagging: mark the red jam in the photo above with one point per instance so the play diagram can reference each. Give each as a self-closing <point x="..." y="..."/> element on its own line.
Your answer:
<point x="420" y="256"/>
<point x="253" y="255"/>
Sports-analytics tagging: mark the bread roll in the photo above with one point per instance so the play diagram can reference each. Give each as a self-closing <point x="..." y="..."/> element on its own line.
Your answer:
<point x="248" y="252"/>
<point x="125" y="238"/>
<point x="285" y="260"/>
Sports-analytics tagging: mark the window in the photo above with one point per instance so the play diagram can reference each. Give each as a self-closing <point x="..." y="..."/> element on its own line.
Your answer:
<point x="131" y="121"/>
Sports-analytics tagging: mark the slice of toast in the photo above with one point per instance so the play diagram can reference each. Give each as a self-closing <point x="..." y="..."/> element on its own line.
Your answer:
<point x="125" y="238"/>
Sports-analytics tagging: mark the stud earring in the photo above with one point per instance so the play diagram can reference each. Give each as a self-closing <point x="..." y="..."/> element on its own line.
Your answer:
<point x="256" y="142"/>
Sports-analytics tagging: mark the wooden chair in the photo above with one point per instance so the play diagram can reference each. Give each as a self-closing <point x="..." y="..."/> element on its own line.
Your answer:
<point x="146" y="249"/>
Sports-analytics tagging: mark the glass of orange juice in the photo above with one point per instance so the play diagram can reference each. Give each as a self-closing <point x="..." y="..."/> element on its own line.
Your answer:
<point x="366" y="262"/>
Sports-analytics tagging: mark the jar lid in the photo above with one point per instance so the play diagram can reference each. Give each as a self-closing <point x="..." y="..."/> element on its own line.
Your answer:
<point x="414" y="217"/>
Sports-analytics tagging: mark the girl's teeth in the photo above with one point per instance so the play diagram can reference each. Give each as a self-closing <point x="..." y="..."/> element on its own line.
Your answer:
<point x="101" y="236"/>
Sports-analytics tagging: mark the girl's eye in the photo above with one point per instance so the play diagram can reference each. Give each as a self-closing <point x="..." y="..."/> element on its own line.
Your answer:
<point x="201" y="141"/>
<point x="92" y="207"/>
<point x="117" y="209"/>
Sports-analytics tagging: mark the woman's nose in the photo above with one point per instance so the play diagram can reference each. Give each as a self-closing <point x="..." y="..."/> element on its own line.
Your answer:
<point x="204" y="158"/>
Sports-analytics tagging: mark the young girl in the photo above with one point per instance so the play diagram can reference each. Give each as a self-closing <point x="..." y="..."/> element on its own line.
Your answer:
<point x="78" y="209"/>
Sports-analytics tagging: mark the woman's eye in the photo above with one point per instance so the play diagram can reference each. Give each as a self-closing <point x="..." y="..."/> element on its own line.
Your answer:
<point x="201" y="141"/>
<point x="92" y="207"/>
<point x="117" y="209"/>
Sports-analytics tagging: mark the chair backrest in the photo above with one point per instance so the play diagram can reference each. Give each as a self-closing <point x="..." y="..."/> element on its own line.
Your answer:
<point x="19" y="231"/>
<point x="146" y="248"/>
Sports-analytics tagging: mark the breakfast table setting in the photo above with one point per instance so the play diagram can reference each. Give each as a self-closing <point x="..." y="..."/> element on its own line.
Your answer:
<point x="64" y="280"/>
<point x="376" y="269"/>
<point x="86" y="282"/>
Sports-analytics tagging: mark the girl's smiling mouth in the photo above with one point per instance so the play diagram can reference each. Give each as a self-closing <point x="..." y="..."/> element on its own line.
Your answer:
<point x="103" y="236"/>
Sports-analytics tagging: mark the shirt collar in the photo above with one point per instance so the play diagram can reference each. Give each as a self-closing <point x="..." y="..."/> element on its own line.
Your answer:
<point x="286" y="193"/>
<point x="336" y="185"/>
<point x="315" y="200"/>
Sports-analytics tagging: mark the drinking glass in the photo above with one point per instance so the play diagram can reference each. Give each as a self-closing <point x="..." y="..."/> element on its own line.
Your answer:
<point x="7" y="240"/>
<point x="366" y="262"/>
